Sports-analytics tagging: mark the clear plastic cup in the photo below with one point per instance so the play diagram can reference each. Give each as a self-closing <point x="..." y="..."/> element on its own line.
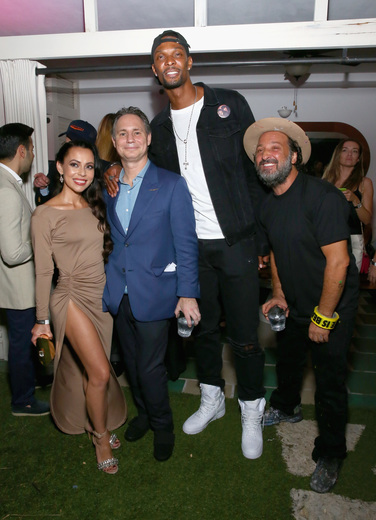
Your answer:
<point x="184" y="330"/>
<point x="277" y="318"/>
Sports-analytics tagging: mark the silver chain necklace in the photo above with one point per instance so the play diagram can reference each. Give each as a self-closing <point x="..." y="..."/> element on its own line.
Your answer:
<point x="185" y="141"/>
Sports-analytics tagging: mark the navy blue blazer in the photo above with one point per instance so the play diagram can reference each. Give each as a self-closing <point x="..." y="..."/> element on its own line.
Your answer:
<point x="161" y="233"/>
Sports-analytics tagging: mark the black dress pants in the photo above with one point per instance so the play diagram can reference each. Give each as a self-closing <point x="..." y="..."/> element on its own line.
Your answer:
<point x="144" y="347"/>
<point x="20" y="359"/>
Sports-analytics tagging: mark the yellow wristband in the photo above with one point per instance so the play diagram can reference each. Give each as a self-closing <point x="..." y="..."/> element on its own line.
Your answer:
<point x="323" y="321"/>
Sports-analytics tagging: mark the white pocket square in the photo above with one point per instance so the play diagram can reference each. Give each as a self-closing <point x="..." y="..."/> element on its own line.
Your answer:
<point x="170" y="268"/>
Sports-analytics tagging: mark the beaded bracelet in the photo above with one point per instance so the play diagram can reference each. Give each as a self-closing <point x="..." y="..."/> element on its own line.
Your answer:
<point x="323" y="321"/>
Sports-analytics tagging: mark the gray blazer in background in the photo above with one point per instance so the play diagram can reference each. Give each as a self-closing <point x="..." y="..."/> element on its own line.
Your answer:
<point x="17" y="276"/>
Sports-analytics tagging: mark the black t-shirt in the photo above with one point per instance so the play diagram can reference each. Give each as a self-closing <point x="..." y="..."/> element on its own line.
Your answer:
<point x="310" y="214"/>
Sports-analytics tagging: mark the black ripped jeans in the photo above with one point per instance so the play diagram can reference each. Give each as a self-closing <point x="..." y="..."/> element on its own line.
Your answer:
<point x="329" y="361"/>
<point x="229" y="278"/>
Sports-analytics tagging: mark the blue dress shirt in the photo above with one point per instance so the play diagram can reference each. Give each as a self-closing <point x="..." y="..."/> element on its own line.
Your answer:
<point x="127" y="199"/>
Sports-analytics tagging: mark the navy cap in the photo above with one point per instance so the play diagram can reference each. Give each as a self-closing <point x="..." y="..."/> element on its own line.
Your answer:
<point x="169" y="36"/>
<point x="81" y="130"/>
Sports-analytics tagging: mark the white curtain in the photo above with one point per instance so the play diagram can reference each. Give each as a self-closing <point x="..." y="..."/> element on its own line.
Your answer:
<point x="23" y="100"/>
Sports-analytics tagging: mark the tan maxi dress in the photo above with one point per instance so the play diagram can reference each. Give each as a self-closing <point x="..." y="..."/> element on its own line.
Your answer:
<point x="70" y="239"/>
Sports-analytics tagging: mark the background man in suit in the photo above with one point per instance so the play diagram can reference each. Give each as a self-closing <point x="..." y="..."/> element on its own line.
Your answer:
<point x="152" y="273"/>
<point x="17" y="277"/>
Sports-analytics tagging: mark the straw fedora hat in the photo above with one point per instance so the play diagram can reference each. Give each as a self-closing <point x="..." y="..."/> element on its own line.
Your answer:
<point x="276" y="124"/>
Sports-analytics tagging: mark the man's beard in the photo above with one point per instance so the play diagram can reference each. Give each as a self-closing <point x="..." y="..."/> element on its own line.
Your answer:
<point x="279" y="176"/>
<point x="175" y="84"/>
<point x="169" y="84"/>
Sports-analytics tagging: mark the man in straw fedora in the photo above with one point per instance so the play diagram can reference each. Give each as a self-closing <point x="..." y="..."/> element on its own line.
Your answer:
<point x="314" y="280"/>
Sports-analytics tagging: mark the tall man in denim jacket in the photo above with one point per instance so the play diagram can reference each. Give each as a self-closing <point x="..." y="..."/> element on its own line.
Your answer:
<point x="199" y="134"/>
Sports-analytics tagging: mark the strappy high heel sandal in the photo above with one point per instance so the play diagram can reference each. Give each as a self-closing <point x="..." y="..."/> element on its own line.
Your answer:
<point x="109" y="466"/>
<point x="114" y="442"/>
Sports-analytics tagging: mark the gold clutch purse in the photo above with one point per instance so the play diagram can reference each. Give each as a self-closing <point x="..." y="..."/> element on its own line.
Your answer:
<point x="46" y="350"/>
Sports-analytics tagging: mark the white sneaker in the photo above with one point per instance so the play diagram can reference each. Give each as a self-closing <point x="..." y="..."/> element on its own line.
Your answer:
<point x="252" y="414"/>
<point x="212" y="407"/>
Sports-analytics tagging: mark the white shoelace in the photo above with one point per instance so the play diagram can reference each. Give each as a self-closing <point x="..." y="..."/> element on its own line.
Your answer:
<point x="254" y="421"/>
<point x="206" y="407"/>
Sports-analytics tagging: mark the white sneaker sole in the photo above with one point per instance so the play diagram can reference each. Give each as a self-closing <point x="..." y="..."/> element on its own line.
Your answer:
<point x="253" y="455"/>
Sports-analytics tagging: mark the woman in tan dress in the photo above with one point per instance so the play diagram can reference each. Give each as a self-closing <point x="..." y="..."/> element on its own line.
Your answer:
<point x="71" y="232"/>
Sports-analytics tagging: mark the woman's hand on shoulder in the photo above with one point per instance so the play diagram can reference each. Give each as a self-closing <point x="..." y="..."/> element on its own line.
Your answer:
<point x="111" y="178"/>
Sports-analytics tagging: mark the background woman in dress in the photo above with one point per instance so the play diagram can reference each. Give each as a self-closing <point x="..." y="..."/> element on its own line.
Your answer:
<point x="346" y="171"/>
<point x="71" y="230"/>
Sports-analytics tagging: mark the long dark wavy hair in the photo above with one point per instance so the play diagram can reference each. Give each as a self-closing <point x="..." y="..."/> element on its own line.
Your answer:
<point x="93" y="194"/>
<point x="332" y="171"/>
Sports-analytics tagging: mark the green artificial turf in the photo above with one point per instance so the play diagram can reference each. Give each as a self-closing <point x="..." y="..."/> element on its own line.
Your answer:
<point x="45" y="474"/>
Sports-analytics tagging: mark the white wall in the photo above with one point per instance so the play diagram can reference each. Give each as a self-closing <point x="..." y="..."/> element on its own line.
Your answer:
<point x="93" y="106"/>
<point x="354" y="106"/>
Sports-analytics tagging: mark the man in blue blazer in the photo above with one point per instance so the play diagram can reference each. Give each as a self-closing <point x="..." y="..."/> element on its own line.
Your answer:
<point x="152" y="272"/>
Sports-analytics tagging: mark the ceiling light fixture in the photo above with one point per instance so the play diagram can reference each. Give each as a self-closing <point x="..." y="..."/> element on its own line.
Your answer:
<point x="284" y="112"/>
<point x="298" y="69"/>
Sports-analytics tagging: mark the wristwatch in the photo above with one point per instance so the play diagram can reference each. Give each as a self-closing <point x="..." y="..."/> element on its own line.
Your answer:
<point x="358" y="206"/>
<point x="43" y="322"/>
<point x="373" y="262"/>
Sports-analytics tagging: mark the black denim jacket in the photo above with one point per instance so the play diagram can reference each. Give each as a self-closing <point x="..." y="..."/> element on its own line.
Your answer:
<point x="233" y="185"/>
